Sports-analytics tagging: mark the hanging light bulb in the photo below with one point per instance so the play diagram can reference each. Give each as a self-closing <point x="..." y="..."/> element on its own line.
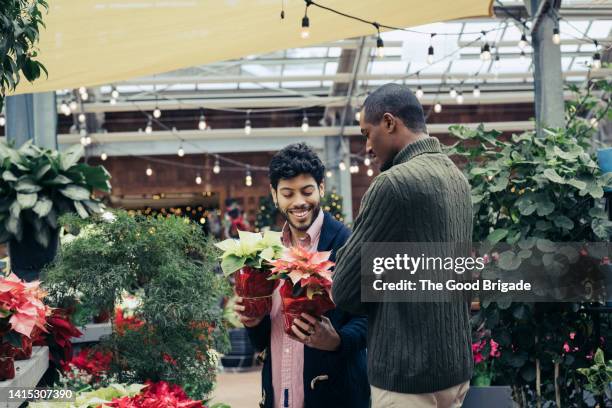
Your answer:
<point x="115" y="93"/>
<point x="113" y="101"/>
<point x="82" y="118"/>
<point x="419" y="92"/>
<point x="305" y="124"/>
<point x="367" y="161"/>
<point x="64" y="108"/>
<point x="87" y="140"/>
<point x="355" y="168"/>
<point x="430" y="55"/>
<point x="523" y="41"/>
<point x="485" y="53"/>
<point x="357" y="116"/>
<point x="149" y="171"/>
<point x="216" y="167"/>
<point x="247" y="127"/>
<point x="85" y="95"/>
<point x="202" y="122"/>
<point x="460" y="98"/>
<point x="476" y="91"/>
<point x="2" y="120"/>
<point x="342" y="166"/>
<point x="305" y="24"/>
<point x="103" y="156"/>
<point x="556" y="38"/>
<point x="329" y="174"/>
<point x="82" y="90"/>
<point x="180" y="152"/>
<point x="437" y="107"/>
<point x="453" y="92"/>
<point x="597" y="60"/>
<point x="248" y="180"/>
<point x="370" y="172"/>
<point x="83" y="141"/>
<point x="149" y="128"/>
<point x="157" y="113"/>
<point x="73" y="105"/>
<point x="198" y="179"/>
<point x="522" y="56"/>
<point x="380" y="47"/>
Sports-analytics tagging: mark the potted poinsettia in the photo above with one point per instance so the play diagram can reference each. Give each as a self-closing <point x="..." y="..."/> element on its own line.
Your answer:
<point x="248" y="260"/>
<point x="307" y="285"/>
<point x="21" y="311"/>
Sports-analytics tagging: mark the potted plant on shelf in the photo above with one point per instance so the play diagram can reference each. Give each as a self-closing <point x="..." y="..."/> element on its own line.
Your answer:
<point x="247" y="259"/>
<point x="599" y="376"/>
<point x="37" y="186"/>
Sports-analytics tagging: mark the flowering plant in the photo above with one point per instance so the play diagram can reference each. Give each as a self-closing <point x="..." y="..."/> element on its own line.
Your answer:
<point x="307" y="283"/>
<point x="21" y="309"/>
<point x="89" y="368"/>
<point x="58" y="338"/>
<point x="154" y="395"/>
<point x="484" y="351"/>
<point x="251" y="249"/>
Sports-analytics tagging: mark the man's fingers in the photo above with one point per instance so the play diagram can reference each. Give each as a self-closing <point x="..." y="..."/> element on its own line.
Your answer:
<point x="239" y="308"/>
<point x="298" y="333"/>
<point x="310" y="319"/>
<point x="302" y="325"/>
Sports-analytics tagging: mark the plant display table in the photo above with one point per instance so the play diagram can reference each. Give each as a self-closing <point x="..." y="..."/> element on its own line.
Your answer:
<point x="27" y="375"/>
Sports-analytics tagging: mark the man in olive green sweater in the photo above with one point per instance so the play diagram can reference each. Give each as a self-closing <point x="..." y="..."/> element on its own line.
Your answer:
<point x="419" y="354"/>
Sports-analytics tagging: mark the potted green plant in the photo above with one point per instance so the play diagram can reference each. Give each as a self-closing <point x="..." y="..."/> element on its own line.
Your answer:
<point x="37" y="186"/>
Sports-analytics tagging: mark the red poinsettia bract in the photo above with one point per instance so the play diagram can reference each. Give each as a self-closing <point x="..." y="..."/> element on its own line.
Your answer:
<point x="156" y="395"/>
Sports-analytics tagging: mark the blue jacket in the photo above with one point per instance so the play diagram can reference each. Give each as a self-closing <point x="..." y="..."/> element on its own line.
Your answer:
<point x="347" y="380"/>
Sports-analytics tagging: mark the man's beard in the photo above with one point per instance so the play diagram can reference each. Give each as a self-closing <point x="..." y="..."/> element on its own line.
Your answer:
<point x="304" y="227"/>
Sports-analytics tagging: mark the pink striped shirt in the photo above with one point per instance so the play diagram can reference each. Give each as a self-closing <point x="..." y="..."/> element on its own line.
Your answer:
<point x="288" y="354"/>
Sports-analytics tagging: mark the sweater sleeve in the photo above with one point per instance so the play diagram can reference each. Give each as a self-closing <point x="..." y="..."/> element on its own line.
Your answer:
<point x="353" y="336"/>
<point x="378" y="217"/>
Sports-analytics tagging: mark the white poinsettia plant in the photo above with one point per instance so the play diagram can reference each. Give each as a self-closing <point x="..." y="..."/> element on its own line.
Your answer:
<point x="250" y="249"/>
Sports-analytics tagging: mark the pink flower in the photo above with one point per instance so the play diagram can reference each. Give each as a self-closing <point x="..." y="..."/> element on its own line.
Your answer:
<point x="494" y="349"/>
<point x="478" y="358"/>
<point x="572" y="335"/>
<point x="566" y="347"/>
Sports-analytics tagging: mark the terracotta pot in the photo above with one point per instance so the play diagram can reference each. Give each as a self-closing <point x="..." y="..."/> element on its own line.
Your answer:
<point x="256" y="290"/>
<point x="7" y="368"/>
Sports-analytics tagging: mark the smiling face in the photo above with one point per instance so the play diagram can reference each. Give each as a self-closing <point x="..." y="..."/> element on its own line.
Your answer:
<point x="379" y="139"/>
<point x="299" y="200"/>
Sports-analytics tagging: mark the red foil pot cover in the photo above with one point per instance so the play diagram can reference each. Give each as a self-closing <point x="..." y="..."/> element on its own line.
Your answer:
<point x="7" y="368"/>
<point x="293" y="307"/>
<point x="256" y="290"/>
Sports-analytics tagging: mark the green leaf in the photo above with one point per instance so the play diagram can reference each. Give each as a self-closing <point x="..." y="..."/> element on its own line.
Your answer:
<point x="552" y="175"/>
<point x="76" y="193"/>
<point x="562" y="221"/>
<point x="526" y="207"/>
<point x="509" y="261"/>
<point x="43" y="206"/>
<point x="71" y="157"/>
<point x="545" y="207"/>
<point x="81" y="209"/>
<point x="8" y="176"/>
<point x="95" y="177"/>
<point x="545" y="245"/>
<point x="580" y="185"/>
<point x="59" y="179"/>
<point x="599" y="357"/>
<point x="27" y="186"/>
<point x="497" y="235"/>
<point x="232" y="263"/>
<point x="42" y="171"/>
<point x="27" y="200"/>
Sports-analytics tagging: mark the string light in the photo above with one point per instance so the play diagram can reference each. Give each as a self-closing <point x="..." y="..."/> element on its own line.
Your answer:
<point x="247" y="127"/>
<point x="181" y="152"/>
<point x="157" y="113"/>
<point x="380" y="45"/>
<point x="149" y="128"/>
<point x="437" y="107"/>
<point x="460" y="98"/>
<point x="367" y="161"/>
<point x="198" y="179"/>
<point x="357" y="116"/>
<point x="430" y="50"/>
<point x="485" y="53"/>
<point x="556" y="37"/>
<point x="2" y="120"/>
<point x="202" y="122"/>
<point x="115" y="93"/>
<point x="305" y="125"/>
<point x="329" y="174"/>
<point x="370" y="172"/>
<point x="419" y="92"/>
<point x="85" y="96"/>
<point x="73" y="105"/>
<point x="523" y="41"/>
<point x="113" y="101"/>
<point x="476" y="91"/>
<point x="64" y="108"/>
<point x="82" y="90"/>
<point x="82" y="118"/>
<point x="596" y="57"/>
<point x="248" y="180"/>
<point x="149" y="171"/>
<point x="216" y="167"/>
<point x="342" y="166"/>
<point x="354" y="168"/>
<point x="103" y="156"/>
<point x="306" y="23"/>
<point x="453" y="92"/>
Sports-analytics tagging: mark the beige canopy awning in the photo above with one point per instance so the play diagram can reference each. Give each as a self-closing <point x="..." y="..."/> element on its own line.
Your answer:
<point x="95" y="42"/>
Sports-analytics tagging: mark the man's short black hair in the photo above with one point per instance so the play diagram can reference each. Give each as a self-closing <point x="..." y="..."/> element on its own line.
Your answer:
<point x="399" y="101"/>
<point x="293" y="160"/>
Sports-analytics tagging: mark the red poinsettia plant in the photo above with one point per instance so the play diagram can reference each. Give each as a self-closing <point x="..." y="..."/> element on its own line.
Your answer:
<point x="155" y="395"/>
<point x="307" y="285"/>
<point x="88" y="367"/>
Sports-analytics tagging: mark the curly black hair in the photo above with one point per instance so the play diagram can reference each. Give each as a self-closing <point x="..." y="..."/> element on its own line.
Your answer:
<point x="293" y="160"/>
